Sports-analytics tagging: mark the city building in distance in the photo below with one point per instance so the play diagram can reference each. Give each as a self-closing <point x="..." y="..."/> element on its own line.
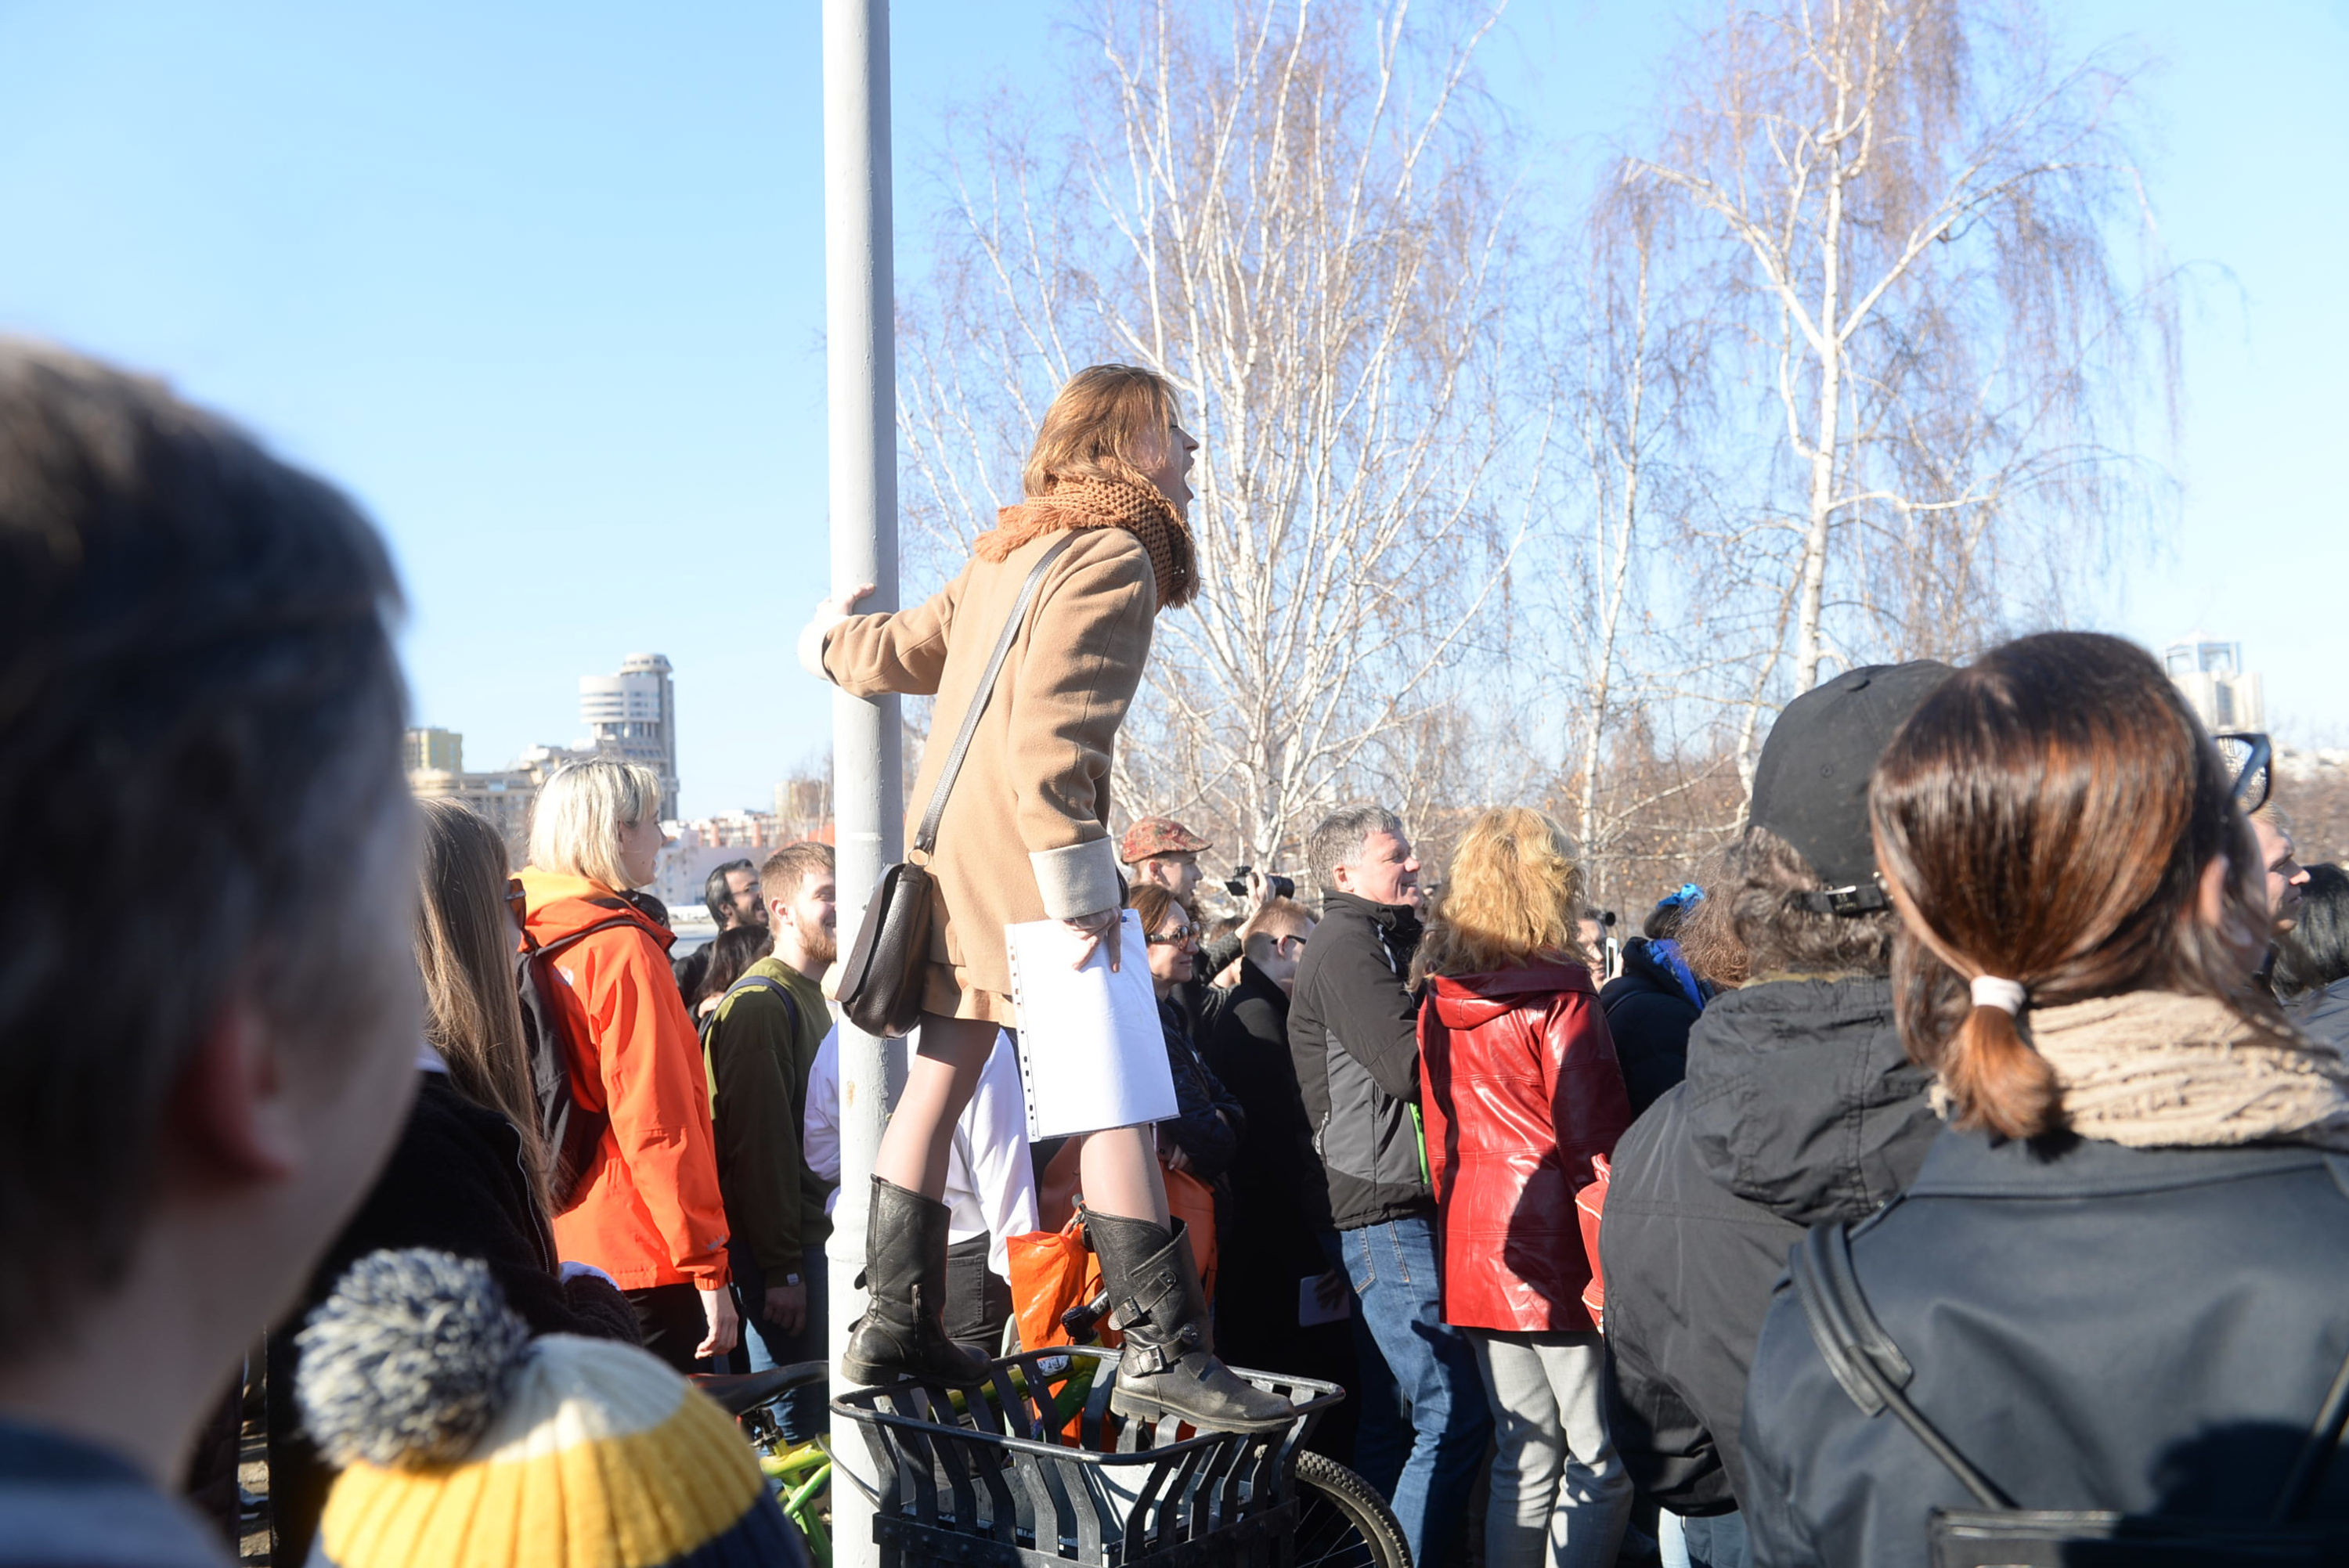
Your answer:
<point x="633" y="715"/>
<point x="436" y="771"/>
<point x="435" y="751"/>
<point x="2210" y="673"/>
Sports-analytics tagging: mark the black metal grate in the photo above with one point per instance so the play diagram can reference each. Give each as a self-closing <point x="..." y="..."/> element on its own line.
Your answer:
<point x="991" y="1479"/>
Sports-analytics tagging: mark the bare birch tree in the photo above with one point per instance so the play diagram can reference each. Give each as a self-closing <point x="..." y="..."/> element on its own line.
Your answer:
<point x="1923" y="223"/>
<point x="1289" y="207"/>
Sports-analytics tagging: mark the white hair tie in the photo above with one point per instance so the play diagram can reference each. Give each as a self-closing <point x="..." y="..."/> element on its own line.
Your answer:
<point x="2006" y="995"/>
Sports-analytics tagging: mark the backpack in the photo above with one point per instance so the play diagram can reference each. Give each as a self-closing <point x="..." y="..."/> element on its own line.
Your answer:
<point x="1874" y="1373"/>
<point x="708" y="1021"/>
<point x="572" y="1131"/>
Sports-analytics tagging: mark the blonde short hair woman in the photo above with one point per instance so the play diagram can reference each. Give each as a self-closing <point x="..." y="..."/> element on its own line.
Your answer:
<point x="644" y="1208"/>
<point x="599" y="820"/>
<point x="1025" y="837"/>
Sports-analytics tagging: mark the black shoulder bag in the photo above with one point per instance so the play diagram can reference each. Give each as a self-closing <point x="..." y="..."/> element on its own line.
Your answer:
<point x="881" y="980"/>
<point x="1874" y="1372"/>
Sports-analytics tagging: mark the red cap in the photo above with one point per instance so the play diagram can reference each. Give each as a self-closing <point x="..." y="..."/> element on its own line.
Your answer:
<point x="1155" y="836"/>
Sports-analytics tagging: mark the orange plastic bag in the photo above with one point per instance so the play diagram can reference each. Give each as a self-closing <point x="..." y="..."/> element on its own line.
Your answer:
<point x="1590" y="1210"/>
<point x="1052" y="1271"/>
<point x="1193" y="1201"/>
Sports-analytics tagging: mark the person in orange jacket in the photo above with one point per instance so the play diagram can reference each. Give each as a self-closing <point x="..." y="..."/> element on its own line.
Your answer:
<point x="646" y="1210"/>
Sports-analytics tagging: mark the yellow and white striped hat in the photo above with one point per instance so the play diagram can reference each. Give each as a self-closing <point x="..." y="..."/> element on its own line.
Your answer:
<point x="465" y="1444"/>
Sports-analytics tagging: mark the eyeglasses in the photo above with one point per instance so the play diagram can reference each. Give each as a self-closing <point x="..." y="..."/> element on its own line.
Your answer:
<point x="1186" y="937"/>
<point x="2249" y="755"/>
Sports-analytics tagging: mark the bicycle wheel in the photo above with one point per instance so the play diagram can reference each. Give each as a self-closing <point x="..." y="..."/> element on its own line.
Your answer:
<point x="1342" y="1521"/>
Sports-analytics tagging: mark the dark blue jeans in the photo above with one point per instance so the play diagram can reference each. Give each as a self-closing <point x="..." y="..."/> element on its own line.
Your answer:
<point x="805" y="1412"/>
<point x="1424" y="1422"/>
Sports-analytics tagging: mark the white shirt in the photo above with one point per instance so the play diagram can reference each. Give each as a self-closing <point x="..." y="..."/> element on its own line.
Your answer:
<point x="990" y="1182"/>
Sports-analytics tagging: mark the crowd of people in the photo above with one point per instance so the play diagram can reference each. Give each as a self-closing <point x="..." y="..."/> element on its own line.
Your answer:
<point x="1956" y="1172"/>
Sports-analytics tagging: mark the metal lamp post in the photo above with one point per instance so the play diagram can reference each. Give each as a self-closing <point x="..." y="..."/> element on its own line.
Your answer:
<point x="868" y="761"/>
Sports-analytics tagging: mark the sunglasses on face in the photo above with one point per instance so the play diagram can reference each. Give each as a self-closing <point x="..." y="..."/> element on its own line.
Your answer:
<point x="516" y="901"/>
<point x="1185" y="937"/>
<point x="2251" y="758"/>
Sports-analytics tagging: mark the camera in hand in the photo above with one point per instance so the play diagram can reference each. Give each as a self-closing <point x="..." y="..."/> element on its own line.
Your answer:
<point x="1236" y="884"/>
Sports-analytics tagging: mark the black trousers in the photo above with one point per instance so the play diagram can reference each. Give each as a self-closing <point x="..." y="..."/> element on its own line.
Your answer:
<point x="979" y="1300"/>
<point x="673" y="1324"/>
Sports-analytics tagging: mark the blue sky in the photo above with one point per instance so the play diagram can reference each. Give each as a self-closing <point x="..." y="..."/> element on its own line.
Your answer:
<point x="542" y="285"/>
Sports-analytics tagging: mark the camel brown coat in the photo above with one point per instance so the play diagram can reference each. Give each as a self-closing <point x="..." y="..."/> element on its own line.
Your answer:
<point x="1026" y="831"/>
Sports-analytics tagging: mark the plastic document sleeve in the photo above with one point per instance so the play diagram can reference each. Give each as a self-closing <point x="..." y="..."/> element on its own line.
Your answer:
<point x="1090" y="1049"/>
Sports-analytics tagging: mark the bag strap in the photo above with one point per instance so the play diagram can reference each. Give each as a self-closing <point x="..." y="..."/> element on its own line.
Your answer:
<point x="927" y="836"/>
<point x="760" y="982"/>
<point x="1862" y="1356"/>
<point x="2317" y="1452"/>
<point x="549" y="950"/>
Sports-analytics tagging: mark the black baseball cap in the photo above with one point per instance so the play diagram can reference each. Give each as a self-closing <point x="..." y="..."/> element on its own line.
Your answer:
<point x="1811" y="785"/>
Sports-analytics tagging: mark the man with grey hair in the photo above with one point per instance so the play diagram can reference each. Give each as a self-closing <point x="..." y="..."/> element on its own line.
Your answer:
<point x="199" y="700"/>
<point x="1353" y="1039"/>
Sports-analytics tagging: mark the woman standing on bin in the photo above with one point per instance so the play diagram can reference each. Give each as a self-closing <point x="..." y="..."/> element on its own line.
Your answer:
<point x="1025" y="837"/>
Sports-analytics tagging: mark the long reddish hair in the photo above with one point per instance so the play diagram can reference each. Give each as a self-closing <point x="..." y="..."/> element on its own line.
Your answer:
<point x="2046" y="817"/>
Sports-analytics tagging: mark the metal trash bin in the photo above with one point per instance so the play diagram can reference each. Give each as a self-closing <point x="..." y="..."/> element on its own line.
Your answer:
<point x="993" y="1476"/>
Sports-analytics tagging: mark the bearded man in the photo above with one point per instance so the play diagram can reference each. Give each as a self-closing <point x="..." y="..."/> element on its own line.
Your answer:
<point x="761" y="1041"/>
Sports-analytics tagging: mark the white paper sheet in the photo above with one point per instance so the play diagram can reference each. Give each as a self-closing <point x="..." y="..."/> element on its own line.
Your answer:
<point x="1323" y="1298"/>
<point x="1090" y="1049"/>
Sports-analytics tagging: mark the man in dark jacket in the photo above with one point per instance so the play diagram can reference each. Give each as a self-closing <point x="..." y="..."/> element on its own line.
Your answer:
<point x="1353" y="1039"/>
<point x="762" y="1043"/>
<point x="1799" y="1108"/>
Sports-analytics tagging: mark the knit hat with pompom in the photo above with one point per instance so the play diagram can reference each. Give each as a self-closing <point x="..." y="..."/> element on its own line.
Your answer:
<point x="465" y="1443"/>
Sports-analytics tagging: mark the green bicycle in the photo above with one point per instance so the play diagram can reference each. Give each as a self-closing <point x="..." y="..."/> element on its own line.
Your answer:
<point x="799" y="1474"/>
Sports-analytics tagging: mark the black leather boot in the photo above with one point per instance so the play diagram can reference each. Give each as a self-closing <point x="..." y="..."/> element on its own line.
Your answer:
<point x="1169" y="1366"/>
<point x="903" y="1333"/>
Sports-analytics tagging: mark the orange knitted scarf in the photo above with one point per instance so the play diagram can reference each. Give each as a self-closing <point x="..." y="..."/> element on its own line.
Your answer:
<point x="1095" y="502"/>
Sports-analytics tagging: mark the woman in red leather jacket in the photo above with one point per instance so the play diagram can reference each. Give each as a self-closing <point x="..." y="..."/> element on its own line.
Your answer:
<point x="1520" y="1090"/>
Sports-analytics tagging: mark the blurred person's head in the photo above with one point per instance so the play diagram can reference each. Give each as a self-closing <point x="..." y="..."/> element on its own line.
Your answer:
<point x="1361" y="850"/>
<point x="2284" y="875"/>
<point x="1664" y="922"/>
<point x="803" y="906"/>
<point x="1173" y="941"/>
<point x="199" y="700"/>
<point x="464" y="950"/>
<point x="1277" y="944"/>
<point x="1590" y="926"/>
<point x="731" y="953"/>
<point x="2056" y="817"/>
<point x="1510" y="897"/>
<point x="1797" y="894"/>
<point x="599" y="819"/>
<point x="730" y="892"/>
<point x="2315" y="953"/>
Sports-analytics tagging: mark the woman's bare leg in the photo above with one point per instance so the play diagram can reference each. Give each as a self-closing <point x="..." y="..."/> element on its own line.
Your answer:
<point x="1119" y="1170"/>
<point x="940" y="1082"/>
